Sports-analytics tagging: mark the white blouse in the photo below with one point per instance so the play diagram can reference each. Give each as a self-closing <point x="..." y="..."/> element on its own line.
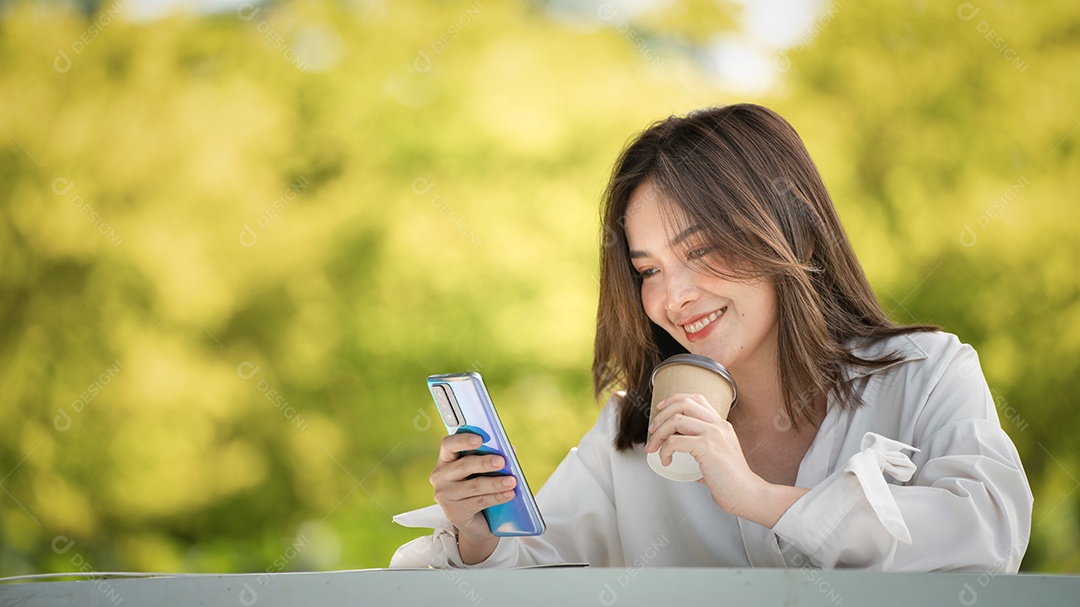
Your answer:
<point x="921" y="478"/>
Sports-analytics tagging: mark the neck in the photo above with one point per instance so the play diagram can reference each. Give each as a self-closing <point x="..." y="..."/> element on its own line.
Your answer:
<point x="760" y="395"/>
<point x="761" y="401"/>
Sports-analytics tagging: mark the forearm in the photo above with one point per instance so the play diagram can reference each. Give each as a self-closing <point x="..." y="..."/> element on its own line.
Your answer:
<point x="977" y="494"/>
<point x="768" y="502"/>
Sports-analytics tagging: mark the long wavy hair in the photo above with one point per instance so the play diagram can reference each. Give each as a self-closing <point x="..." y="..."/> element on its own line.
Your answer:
<point x="743" y="176"/>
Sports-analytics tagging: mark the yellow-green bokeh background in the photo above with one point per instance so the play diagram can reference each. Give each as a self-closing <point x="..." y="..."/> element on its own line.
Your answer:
<point x="445" y="161"/>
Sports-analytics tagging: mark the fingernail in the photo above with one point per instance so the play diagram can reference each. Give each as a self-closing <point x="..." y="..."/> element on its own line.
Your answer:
<point x="476" y="440"/>
<point x="496" y="462"/>
<point x="507" y="495"/>
<point x="508" y="481"/>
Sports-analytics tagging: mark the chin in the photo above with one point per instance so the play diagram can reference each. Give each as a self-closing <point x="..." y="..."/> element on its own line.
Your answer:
<point x="717" y="354"/>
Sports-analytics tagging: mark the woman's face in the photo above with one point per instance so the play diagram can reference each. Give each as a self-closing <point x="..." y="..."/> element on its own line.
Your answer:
<point x="731" y="321"/>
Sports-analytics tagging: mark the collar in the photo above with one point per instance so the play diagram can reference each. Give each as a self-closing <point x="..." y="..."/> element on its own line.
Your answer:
<point x="901" y="346"/>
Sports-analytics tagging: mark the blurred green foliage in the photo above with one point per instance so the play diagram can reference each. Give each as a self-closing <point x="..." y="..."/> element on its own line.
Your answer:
<point x="233" y="246"/>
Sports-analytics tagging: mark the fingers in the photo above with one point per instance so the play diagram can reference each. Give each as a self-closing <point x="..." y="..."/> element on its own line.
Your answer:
<point x="462" y="467"/>
<point x="462" y="498"/>
<point x="472" y="504"/>
<point x="464" y="484"/>
<point x="466" y="515"/>
<point x="682" y="414"/>
<point x="676" y="443"/>
<point x="480" y="486"/>
<point x="454" y="444"/>
<point x="691" y="404"/>
<point x="674" y="426"/>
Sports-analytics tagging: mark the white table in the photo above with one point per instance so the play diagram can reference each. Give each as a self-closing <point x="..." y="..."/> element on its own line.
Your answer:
<point x="564" y="587"/>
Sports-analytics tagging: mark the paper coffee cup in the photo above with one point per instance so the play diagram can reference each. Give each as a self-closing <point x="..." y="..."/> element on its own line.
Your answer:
<point x="689" y="374"/>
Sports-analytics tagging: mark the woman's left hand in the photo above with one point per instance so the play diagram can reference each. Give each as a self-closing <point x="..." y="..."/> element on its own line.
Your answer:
<point x="688" y="423"/>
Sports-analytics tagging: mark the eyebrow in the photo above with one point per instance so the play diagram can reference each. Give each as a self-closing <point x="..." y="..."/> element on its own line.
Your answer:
<point x="687" y="233"/>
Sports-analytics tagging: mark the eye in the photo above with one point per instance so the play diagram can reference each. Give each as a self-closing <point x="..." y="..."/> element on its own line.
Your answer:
<point x="647" y="272"/>
<point x="700" y="252"/>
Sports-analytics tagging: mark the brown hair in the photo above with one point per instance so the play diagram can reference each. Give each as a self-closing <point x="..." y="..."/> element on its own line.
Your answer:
<point x="742" y="174"/>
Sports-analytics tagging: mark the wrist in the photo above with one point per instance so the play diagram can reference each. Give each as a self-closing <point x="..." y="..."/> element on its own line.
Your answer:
<point x="752" y="498"/>
<point x="773" y="501"/>
<point x="475" y="550"/>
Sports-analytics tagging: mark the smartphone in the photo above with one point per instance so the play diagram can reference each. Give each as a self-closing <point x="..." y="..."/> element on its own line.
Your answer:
<point x="466" y="407"/>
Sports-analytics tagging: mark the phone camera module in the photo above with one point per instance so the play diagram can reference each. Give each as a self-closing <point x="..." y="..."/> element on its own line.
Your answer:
<point x="444" y="399"/>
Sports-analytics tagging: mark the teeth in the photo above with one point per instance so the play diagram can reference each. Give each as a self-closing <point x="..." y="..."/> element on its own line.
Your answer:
<point x="704" y="322"/>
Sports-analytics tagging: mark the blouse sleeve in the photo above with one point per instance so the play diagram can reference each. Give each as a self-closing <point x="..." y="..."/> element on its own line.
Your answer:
<point x="960" y="501"/>
<point x="577" y="504"/>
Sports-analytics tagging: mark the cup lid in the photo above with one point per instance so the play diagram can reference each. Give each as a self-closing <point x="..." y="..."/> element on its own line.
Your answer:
<point x="699" y="361"/>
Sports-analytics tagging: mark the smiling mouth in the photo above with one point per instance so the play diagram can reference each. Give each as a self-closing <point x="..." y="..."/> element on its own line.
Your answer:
<point x="696" y="327"/>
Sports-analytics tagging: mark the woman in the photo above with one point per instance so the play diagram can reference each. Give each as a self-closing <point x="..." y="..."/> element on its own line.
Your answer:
<point x="854" y="443"/>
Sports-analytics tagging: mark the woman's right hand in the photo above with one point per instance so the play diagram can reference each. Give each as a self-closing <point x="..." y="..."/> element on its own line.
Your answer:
<point x="462" y="498"/>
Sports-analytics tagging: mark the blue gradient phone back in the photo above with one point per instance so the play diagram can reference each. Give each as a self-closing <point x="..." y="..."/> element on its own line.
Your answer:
<point x="520" y="516"/>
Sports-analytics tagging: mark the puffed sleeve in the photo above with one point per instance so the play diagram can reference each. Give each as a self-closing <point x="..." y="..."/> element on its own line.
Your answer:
<point x="577" y="504"/>
<point x="958" y="499"/>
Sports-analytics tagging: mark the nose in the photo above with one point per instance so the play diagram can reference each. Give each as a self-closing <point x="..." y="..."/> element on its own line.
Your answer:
<point x="680" y="288"/>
